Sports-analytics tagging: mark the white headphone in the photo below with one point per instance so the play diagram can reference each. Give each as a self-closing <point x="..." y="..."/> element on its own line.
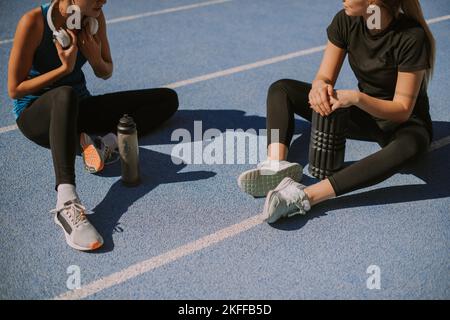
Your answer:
<point x="61" y="35"/>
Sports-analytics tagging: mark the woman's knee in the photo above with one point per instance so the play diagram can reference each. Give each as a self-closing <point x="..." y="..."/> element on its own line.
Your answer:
<point x="412" y="141"/>
<point x="285" y="85"/>
<point x="171" y="100"/>
<point x="172" y="97"/>
<point x="278" y="87"/>
<point x="284" y="89"/>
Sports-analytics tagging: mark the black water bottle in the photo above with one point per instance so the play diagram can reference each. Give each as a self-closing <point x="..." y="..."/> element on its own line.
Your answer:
<point x="129" y="151"/>
<point x="327" y="145"/>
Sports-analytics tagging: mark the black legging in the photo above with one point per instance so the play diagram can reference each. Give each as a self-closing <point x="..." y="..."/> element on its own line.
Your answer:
<point x="56" y="118"/>
<point x="399" y="146"/>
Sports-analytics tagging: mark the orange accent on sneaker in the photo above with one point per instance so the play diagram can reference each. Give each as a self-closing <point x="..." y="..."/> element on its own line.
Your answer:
<point x="92" y="159"/>
<point x="96" y="245"/>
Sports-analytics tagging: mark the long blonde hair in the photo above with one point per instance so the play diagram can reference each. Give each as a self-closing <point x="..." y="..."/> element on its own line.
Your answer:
<point x="413" y="10"/>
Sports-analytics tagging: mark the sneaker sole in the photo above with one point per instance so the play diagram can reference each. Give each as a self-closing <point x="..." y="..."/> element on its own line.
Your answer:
<point x="258" y="185"/>
<point x="95" y="245"/>
<point x="92" y="159"/>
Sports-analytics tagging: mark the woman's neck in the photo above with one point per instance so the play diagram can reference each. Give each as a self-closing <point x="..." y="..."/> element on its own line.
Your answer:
<point x="386" y="19"/>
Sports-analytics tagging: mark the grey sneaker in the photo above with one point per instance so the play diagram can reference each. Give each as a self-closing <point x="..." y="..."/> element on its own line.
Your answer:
<point x="288" y="199"/>
<point x="96" y="154"/>
<point x="109" y="154"/>
<point x="268" y="174"/>
<point x="80" y="233"/>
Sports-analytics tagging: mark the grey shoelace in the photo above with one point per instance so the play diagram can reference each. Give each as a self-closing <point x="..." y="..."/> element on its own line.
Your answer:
<point x="295" y="196"/>
<point x="75" y="212"/>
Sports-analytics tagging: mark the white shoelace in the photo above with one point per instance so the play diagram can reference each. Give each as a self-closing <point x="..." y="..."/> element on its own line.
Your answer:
<point x="296" y="197"/>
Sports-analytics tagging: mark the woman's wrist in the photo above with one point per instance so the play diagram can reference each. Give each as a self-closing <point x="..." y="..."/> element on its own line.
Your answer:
<point x="64" y="70"/>
<point x="318" y="83"/>
<point x="357" y="97"/>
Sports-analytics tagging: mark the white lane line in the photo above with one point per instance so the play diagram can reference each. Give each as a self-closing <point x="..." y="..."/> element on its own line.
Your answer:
<point x="438" y="19"/>
<point x="193" y="6"/>
<point x="230" y="71"/>
<point x="6" y="41"/>
<point x="251" y="65"/>
<point x="8" y="128"/>
<point x="180" y="252"/>
<point x="221" y="235"/>
<point x="152" y="13"/>
<point x="164" y="11"/>
<point x="263" y="63"/>
<point x="161" y="260"/>
<point x="245" y="67"/>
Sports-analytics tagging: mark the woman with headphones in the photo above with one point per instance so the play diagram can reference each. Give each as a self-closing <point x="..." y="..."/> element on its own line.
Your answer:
<point x="54" y="108"/>
<point x="393" y="64"/>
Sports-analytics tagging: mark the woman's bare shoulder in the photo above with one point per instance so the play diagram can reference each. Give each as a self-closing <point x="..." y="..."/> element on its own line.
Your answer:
<point x="33" y="19"/>
<point x="31" y="25"/>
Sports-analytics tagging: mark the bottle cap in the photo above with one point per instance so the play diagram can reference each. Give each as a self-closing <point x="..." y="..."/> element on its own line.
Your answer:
<point x="126" y="125"/>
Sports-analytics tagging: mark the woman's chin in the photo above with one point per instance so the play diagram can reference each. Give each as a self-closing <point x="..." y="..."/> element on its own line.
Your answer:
<point x="350" y="13"/>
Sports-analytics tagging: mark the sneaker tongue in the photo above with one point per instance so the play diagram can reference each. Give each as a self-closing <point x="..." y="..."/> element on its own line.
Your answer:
<point x="291" y="193"/>
<point x="98" y="142"/>
<point x="110" y="140"/>
<point x="74" y="202"/>
<point x="295" y="195"/>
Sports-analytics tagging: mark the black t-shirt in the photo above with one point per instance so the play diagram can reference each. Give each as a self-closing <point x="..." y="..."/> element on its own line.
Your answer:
<point x="376" y="59"/>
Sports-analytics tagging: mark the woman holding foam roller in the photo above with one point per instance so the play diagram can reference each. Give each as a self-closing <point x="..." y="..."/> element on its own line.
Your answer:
<point x="393" y="64"/>
<point x="54" y="108"/>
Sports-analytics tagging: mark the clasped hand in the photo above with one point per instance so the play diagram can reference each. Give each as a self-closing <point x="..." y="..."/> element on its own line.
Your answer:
<point x="325" y="100"/>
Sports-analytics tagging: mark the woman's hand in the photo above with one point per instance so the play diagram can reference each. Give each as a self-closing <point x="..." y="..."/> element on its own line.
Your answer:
<point x="344" y="99"/>
<point x="68" y="57"/>
<point x="319" y="97"/>
<point x="90" y="46"/>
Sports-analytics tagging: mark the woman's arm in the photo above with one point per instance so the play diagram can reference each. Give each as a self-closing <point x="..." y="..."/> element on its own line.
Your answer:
<point x="331" y="65"/>
<point x="97" y="50"/>
<point x="26" y="40"/>
<point x="323" y="84"/>
<point x="398" y="110"/>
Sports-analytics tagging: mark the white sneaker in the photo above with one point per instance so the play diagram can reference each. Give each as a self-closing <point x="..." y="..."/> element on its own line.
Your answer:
<point x="286" y="200"/>
<point x="79" y="232"/>
<point x="267" y="175"/>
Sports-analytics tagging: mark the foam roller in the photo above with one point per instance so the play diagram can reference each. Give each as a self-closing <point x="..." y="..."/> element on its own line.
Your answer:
<point x="327" y="144"/>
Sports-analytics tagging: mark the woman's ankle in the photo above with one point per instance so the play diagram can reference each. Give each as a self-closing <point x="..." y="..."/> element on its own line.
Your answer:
<point x="277" y="151"/>
<point x="66" y="192"/>
<point x="319" y="192"/>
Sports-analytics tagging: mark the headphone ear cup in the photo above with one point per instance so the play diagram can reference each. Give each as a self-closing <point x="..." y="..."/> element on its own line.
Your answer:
<point x="66" y="39"/>
<point x="63" y="38"/>
<point x="91" y="24"/>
